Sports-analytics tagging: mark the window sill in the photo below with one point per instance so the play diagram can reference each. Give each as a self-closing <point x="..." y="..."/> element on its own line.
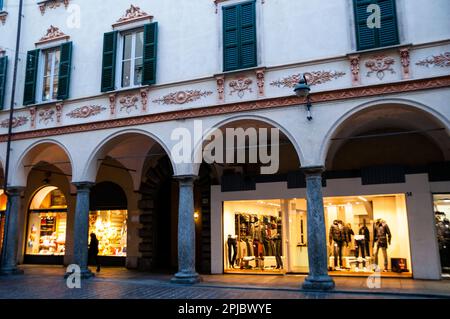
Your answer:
<point x="44" y="103"/>
<point x="122" y="90"/>
<point x="391" y="47"/>
<point x="240" y="71"/>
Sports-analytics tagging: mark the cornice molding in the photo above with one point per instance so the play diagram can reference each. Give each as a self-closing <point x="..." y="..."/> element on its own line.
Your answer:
<point x="52" y="4"/>
<point x="328" y="96"/>
<point x="53" y="34"/>
<point x="133" y="14"/>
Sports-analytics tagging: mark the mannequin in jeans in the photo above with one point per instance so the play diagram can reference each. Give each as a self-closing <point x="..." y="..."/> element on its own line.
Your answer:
<point x="232" y="250"/>
<point x="337" y="239"/>
<point x="382" y="237"/>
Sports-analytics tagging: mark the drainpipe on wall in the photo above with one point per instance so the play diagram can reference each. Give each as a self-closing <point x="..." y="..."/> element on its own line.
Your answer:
<point x="10" y="125"/>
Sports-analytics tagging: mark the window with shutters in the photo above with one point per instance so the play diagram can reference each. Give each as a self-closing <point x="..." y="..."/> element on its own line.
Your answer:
<point x="50" y="74"/>
<point x="3" y="73"/>
<point x="369" y="36"/>
<point x="132" y="62"/>
<point x="239" y="36"/>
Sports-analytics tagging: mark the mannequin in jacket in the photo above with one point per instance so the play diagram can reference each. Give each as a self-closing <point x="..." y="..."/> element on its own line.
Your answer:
<point x="365" y="231"/>
<point x="337" y="240"/>
<point x="382" y="237"/>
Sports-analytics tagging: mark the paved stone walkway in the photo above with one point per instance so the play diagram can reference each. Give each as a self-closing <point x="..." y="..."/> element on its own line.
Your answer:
<point x="114" y="283"/>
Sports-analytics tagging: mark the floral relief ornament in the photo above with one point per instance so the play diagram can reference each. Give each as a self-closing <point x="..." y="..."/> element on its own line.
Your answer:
<point x="134" y="12"/>
<point x="182" y="97"/>
<point x="53" y="33"/>
<point x="16" y="122"/>
<point x="380" y="64"/>
<point x="313" y="78"/>
<point x="46" y="116"/>
<point x="441" y="60"/>
<point x="52" y="4"/>
<point x="241" y="85"/>
<point x="86" y="111"/>
<point x="129" y="103"/>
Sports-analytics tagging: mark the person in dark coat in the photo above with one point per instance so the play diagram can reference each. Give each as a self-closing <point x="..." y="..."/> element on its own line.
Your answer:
<point x="93" y="251"/>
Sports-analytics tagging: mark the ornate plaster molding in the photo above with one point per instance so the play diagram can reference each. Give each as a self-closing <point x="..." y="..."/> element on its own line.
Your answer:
<point x="53" y="34"/>
<point x="16" y="122"/>
<point x="52" y="4"/>
<point x="112" y="104"/>
<point x="405" y="60"/>
<point x="240" y="86"/>
<point x="220" y="80"/>
<point x="144" y="99"/>
<point x="128" y="103"/>
<point x="3" y="16"/>
<point x="133" y="14"/>
<point x="261" y="82"/>
<point x="380" y="64"/>
<point x="33" y="112"/>
<point x="182" y="97"/>
<point x="86" y="111"/>
<point x="59" y="108"/>
<point x="355" y="67"/>
<point x="261" y="104"/>
<point x="441" y="60"/>
<point x="46" y="116"/>
<point x="313" y="78"/>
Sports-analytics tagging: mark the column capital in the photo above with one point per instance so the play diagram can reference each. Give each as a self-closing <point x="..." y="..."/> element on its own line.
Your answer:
<point x="186" y="179"/>
<point x="83" y="186"/>
<point x="14" y="190"/>
<point x="313" y="170"/>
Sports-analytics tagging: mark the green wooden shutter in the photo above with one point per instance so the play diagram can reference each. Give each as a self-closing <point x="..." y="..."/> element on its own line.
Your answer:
<point x="29" y="96"/>
<point x="3" y="69"/>
<point x="150" y="53"/>
<point x="109" y="61"/>
<point x="388" y="34"/>
<point x="248" y="34"/>
<point x="65" y="66"/>
<point x="230" y="38"/>
<point x="239" y="36"/>
<point x="373" y="38"/>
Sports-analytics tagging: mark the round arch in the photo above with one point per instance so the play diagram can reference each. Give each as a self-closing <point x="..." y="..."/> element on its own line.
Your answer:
<point x="90" y="171"/>
<point x="341" y="122"/>
<point x="197" y="151"/>
<point x="35" y="153"/>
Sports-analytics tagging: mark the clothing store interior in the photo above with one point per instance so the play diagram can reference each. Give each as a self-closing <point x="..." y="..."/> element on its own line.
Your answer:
<point x="365" y="234"/>
<point x="442" y="216"/>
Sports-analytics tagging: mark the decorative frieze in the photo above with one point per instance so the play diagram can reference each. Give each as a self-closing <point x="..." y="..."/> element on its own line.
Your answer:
<point x="112" y="104"/>
<point x="52" y="4"/>
<point x="33" y="112"/>
<point x="405" y="61"/>
<point x="128" y="103"/>
<point x="59" y="109"/>
<point x="133" y="14"/>
<point x="16" y="122"/>
<point x="144" y="99"/>
<point x="86" y="111"/>
<point x="220" y="81"/>
<point x="313" y="78"/>
<point x="46" y="116"/>
<point x="182" y="97"/>
<point x="240" y="86"/>
<point x="441" y="60"/>
<point x="380" y="64"/>
<point x="260" y="82"/>
<point x="53" y="34"/>
<point x="355" y="68"/>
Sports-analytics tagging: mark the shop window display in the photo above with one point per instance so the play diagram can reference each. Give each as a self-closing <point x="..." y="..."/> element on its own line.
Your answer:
<point x="110" y="227"/>
<point x="2" y="216"/>
<point x="442" y="217"/>
<point x="47" y="221"/>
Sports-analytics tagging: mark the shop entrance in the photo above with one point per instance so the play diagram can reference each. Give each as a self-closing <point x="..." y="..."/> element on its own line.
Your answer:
<point x="46" y="228"/>
<point x="3" y="200"/>
<point x="108" y="220"/>
<point x="442" y="216"/>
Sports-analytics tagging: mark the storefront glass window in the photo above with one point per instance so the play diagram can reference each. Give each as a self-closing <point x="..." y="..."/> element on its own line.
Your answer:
<point x="110" y="226"/>
<point x="47" y="221"/>
<point x="362" y="232"/>
<point x="442" y="216"/>
<point x="2" y="216"/>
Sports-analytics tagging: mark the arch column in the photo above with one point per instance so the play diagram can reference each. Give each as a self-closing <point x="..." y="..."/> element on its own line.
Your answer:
<point x="186" y="233"/>
<point x="81" y="229"/>
<point x="10" y="243"/>
<point x="318" y="278"/>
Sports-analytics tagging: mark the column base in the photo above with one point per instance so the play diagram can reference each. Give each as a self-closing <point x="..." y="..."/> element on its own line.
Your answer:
<point x="186" y="278"/>
<point x="322" y="283"/>
<point x="84" y="274"/>
<point x="11" y="272"/>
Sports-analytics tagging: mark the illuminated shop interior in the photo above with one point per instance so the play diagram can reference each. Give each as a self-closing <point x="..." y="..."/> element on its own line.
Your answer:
<point x="3" y="200"/>
<point x="442" y="217"/>
<point x="264" y="236"/>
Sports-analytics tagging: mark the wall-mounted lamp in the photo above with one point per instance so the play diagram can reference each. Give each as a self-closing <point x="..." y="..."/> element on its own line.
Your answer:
<point x="196" y="216"/>
<point x="302" y="90"/>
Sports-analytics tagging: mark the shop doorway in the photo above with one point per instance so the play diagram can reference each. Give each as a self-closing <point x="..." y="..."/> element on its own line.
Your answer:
<point x="442" y="217"/>
<point x="3" y="200"/>
<point x="108" y="220"/>
<point x="46" y="227"/>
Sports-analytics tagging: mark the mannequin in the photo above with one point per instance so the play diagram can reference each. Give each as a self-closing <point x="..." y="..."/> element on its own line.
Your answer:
<point x="337" y="239"/>
<point x="365" y="231"/>
<point x="382" y="237"/>
<point x="276" y="240"/>
<point x="232" y="250"/>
